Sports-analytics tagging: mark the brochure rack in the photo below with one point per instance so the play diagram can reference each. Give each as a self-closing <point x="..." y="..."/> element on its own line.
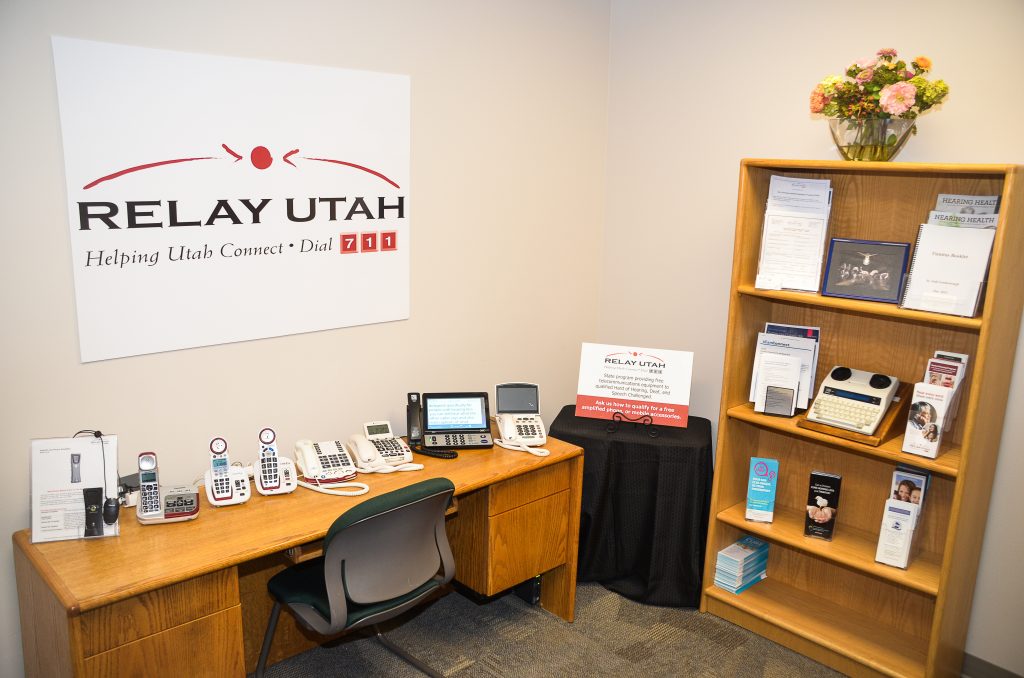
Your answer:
<point x="830" y="600"/>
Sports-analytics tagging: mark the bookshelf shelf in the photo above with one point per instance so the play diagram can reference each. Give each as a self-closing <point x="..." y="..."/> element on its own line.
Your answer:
<point x="947" y="463"/>
<point x="881" y="620"/>
<point x="864" y="307"/>
<point x="859" y="641"/>
<point x="850" y="547"/>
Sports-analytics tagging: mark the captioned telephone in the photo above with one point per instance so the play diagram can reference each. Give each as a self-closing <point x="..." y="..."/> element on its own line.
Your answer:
<point x="378" y="450"/>
<point x="162" y="504"/>
<point x="225" y="484"/>
<point x="517" y="412"/>
<point x="273" y="474"/>
<point x="326" y="466"/>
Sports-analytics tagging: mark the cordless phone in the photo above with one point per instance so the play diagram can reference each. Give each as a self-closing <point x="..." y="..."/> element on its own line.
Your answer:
<point x="220" y="469"/>
<point x="162" y="504"/>
<point x="274" y="474"/>
<point x="225" y="485"/>
<point x="149" y="488"/>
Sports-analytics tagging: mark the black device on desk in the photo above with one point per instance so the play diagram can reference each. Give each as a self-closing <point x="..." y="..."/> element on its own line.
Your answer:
<point x="456" y="420"/>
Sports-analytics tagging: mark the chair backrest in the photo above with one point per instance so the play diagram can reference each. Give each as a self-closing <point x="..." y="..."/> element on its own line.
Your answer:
<point x="388" y="546"/>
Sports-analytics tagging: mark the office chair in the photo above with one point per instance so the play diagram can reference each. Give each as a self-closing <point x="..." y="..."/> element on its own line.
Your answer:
<point x="380" y="559"/>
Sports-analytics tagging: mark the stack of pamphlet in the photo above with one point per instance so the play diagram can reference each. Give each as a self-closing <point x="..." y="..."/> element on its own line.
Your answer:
<point x="934" y="403"/>
<point x="901" y="516"/>
<point x="965" y="211"/>
<point x="785" y="367"/>
<point x="741" y="565"/>
<point x="793" y="237"/>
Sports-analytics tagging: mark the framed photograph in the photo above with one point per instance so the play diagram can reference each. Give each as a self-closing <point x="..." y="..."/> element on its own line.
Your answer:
<point x="866" y="269"/>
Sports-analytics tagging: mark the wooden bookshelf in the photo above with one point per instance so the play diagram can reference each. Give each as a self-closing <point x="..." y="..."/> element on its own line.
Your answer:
<point x="831" y="600"/>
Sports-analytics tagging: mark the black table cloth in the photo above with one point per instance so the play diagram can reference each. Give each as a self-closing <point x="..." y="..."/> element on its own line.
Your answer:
<point x="644" y="514"/>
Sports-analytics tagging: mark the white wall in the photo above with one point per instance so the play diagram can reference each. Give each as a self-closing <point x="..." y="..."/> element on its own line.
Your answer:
<point x="508" y="148"/>
<point x="695" y="87"/>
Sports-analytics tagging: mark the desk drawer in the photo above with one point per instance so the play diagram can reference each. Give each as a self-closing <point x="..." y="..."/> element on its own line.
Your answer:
<point x="129" y="620"/>
<point x="208" y="647"/>
<point x="527" y="541"/>
<point x="521" y="490"/>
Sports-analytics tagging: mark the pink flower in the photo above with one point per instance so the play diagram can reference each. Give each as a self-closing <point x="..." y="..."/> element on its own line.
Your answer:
<point x="888" y="52"/>
<point x="867" y="62"/>
<point x="865" y="76"/>
<point x="908" y="74"/>
<point x="896" y="99"/>
<point x="818" y="99"/>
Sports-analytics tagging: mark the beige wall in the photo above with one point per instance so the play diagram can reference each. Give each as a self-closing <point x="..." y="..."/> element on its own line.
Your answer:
<point x="516" y="107"/>
<point x="695" y="87"/>
<point x="508" y="147"/>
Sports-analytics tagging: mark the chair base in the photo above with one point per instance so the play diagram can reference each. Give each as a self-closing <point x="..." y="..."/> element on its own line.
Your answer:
<point x="401" y="652"/>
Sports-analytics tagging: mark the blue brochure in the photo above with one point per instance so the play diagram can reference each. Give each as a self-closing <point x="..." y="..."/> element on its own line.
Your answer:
<point x="764" y="474"/>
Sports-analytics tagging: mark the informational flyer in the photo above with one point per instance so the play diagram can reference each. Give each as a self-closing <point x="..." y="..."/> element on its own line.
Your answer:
<point x="634" y="384"/>
<point x="72" y="481"/>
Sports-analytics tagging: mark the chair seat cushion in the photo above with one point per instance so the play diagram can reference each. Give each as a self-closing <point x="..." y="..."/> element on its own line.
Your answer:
<point x="305" y="584"/>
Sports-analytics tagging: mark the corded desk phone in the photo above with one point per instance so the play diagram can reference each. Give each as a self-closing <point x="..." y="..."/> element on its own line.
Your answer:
<point x="274" y="474"/>
<point x="162" y="504"/>
<point x="378" y="450"/>
<point x="225" y="484"/>
<point x="326" y="466"/>
<point x="456" y="420"/>
<point x="517" y="412"/>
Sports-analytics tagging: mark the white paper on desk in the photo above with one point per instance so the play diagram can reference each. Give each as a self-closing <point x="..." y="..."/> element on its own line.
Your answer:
<point x="776" y="369"/>
<point x="793" y="194"/>
<point x="63" y="470"/>
<point x="791" y="251"/>
<point x="802" y="348"/>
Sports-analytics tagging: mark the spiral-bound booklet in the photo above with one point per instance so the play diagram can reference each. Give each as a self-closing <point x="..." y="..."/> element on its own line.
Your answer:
<point x="948" y="269"/>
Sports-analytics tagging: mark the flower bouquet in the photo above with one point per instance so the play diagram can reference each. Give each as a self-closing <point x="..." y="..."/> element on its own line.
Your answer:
<point x="873" y="108"/>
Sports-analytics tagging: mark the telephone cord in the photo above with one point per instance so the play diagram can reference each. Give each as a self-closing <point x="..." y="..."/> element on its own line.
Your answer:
<point x="336" y="488"/>
<point x="519" y="447"/>
<point x="384" y="468"/>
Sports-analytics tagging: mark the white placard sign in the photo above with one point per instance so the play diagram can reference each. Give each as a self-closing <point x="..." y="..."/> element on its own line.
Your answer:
<point x="646" y="384"/>
<point x="216" y="199"/>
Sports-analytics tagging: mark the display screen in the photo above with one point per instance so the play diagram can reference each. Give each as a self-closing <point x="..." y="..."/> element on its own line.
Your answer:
<point x="147" y="476"/>
<point x="853" y="395"/>
<point x="220" y="464"/>
<point x="517" y="399"/>
<point x="378" y="430"/>
<point x="455" y="412"/>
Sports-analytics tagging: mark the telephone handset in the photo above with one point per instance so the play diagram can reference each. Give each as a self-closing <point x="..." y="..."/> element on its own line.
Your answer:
<point x="378" y="450"/>
<point x="517" y="408"/>
<point x="225" y="484"/>
<point x="162" y="504"/>
<point x="326" y="466"/>
<point x="273" y="474"/>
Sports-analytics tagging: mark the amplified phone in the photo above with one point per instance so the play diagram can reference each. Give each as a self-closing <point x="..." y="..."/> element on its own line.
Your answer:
<point x="162" y="505"/>
<point x="326" y="467"/>
<point x="379" y="450"/>
<point x="517" y="412"/>
<point x="225" y="484"/>
<point x="456" y="420"/>
<point x="854" y="400"/>
<point x="273" y="474"/>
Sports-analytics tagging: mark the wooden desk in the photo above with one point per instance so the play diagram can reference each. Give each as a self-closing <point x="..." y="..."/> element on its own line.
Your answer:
<point x="190" y="598"/>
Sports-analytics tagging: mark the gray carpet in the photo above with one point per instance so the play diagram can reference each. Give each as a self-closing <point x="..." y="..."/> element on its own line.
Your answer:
<point x="612" y="636"/>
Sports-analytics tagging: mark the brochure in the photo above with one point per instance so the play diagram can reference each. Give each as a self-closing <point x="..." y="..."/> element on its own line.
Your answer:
<point x="764" y="474"/>
<point x="802" y="348"/>
<point x="948" y="269"/>
<point x="822" y="504"/>
<point x="929" y="406"/>
<point x="72" y="481"/>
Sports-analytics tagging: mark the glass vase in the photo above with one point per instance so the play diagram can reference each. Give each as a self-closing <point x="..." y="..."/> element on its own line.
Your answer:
<point x="878" y="139"/>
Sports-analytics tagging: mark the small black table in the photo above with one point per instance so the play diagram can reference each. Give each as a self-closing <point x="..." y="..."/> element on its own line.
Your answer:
<point x="644" y="517"/>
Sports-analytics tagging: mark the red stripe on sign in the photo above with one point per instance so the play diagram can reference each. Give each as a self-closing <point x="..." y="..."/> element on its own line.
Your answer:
<point x="603" y="407"/>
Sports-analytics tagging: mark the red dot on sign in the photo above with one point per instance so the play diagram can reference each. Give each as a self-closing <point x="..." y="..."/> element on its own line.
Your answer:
<point x="261" y="158"/>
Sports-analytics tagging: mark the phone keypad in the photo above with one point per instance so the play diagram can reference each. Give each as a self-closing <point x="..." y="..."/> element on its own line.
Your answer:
<point x="389" y="448"/>
<point x="845" y="413"/>
<point x="268" y="466"/>
<point x="452" y="440"/>
<point x="149" y="498"/>
<point x="333" y="460"/>
<point x="527" y="427"/>
<point x="222" y="486"/>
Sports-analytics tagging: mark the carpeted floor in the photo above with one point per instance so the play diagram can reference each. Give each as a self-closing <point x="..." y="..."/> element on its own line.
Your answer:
<point x="612" y="636"/>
